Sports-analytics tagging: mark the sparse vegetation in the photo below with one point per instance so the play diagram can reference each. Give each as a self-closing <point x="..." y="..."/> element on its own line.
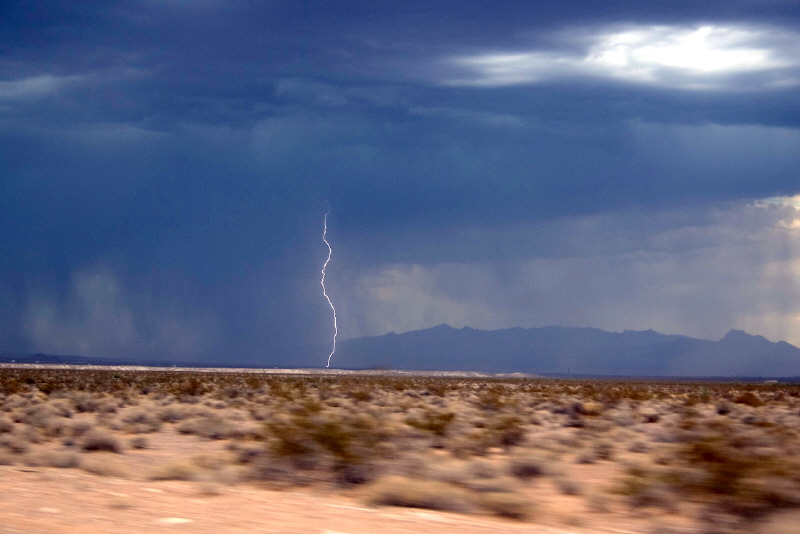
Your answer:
<point x="469" y="445"/>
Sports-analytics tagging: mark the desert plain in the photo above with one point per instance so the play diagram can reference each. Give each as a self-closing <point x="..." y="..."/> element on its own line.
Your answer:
<point x="130" y="450"/>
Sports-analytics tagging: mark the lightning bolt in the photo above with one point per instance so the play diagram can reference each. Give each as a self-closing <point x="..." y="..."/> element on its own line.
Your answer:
<point x="324" y="266"/>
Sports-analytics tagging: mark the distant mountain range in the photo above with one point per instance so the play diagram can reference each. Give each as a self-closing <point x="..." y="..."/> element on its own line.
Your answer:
<point x="548" y="350"/>
<point x="578" y="351"/>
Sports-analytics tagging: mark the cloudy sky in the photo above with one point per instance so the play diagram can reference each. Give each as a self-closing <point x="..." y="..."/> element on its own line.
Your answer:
<point x="165" y="166"/>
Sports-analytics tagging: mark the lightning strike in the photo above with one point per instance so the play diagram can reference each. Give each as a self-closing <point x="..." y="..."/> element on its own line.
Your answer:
<point x="324" y="266"/>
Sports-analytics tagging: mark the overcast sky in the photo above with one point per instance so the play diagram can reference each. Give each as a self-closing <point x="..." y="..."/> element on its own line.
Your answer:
<point x="165" y="167"/>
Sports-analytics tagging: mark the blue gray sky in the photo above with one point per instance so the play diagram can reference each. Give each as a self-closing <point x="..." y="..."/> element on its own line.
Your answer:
<point x="165" y="166"/>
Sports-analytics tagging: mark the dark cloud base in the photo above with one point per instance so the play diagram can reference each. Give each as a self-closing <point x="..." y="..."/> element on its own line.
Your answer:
<point x="166" y="167"/>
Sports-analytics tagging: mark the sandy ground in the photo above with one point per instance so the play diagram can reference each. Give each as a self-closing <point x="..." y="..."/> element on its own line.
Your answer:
<point x="51" y="500"/>
<point x="34" y="500"/>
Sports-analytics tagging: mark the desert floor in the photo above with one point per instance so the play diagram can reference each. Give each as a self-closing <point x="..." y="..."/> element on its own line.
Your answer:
<point x="113" y="450"/>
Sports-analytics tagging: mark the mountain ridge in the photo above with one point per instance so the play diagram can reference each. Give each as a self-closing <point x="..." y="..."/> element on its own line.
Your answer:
<point x="577" y="350"/>
<point x="557" y="350"/>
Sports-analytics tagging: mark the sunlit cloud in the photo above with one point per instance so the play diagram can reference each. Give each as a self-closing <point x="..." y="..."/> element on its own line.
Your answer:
<point x="693" y="58"/>
<point x="791" y="220"/>
<point x="35" y="87"/>
<point x="793" y="201"/>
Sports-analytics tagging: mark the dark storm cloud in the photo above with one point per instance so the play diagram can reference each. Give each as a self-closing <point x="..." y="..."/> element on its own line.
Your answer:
<point x="165" y="164"/>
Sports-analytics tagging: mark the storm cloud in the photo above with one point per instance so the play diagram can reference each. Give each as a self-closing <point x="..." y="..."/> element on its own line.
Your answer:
<point x="166" y="167"/>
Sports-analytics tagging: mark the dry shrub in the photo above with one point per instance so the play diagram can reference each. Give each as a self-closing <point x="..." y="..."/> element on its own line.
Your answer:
<point x="14" y="443"/>
<point x="566" y="485"/>
<point x="361" y="395"/>
<point x="60" y="459"/>
<point x="506" y="430"/>
<point x="591" y="409"/>
<point x="652" y="418"/>
<point x="644" y="489"/>
<point x="188" y="426"/>
<point x="749" y="398"/>
<point x="172" y="414"/>
<point x="38" y="415"/>
<point x="725" y="468"/>
<point x="80" y="427"/>
<point x="190" y="386"/>
<point x="139" y="442"/>
<point x="230" y="474"/>
<point x="413" y="465"/>
<point x="61" y="408"/>
<point x="479" y="468"/>
<point x="344" y="444"/>
<point x="141" y="421"/>
<point x="207" y="488"/>
<point x="6" y="458"/>
<point x="98" y="440"/>
<point x="432" y="421"/>
<point x="30" y="434"/>
<point x="506" y="504"/>
<point x="104" y="465"/>
<point x="212" y="427"/>
<point x="13" y="402"/>
<point x="474" y="443"/>
<point x="5" y="425"/>
<point x="526" y="465"/>
<point x="457" y="473"/>
<point x="245" y="453"/>
<point x="603" y="450"/>
<point x="175" y="470"/>
<point x="85" y="402"/>
<point x="502" y="484"/>
<point x="597" y="503"/>
<point x="430" y="494"/>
